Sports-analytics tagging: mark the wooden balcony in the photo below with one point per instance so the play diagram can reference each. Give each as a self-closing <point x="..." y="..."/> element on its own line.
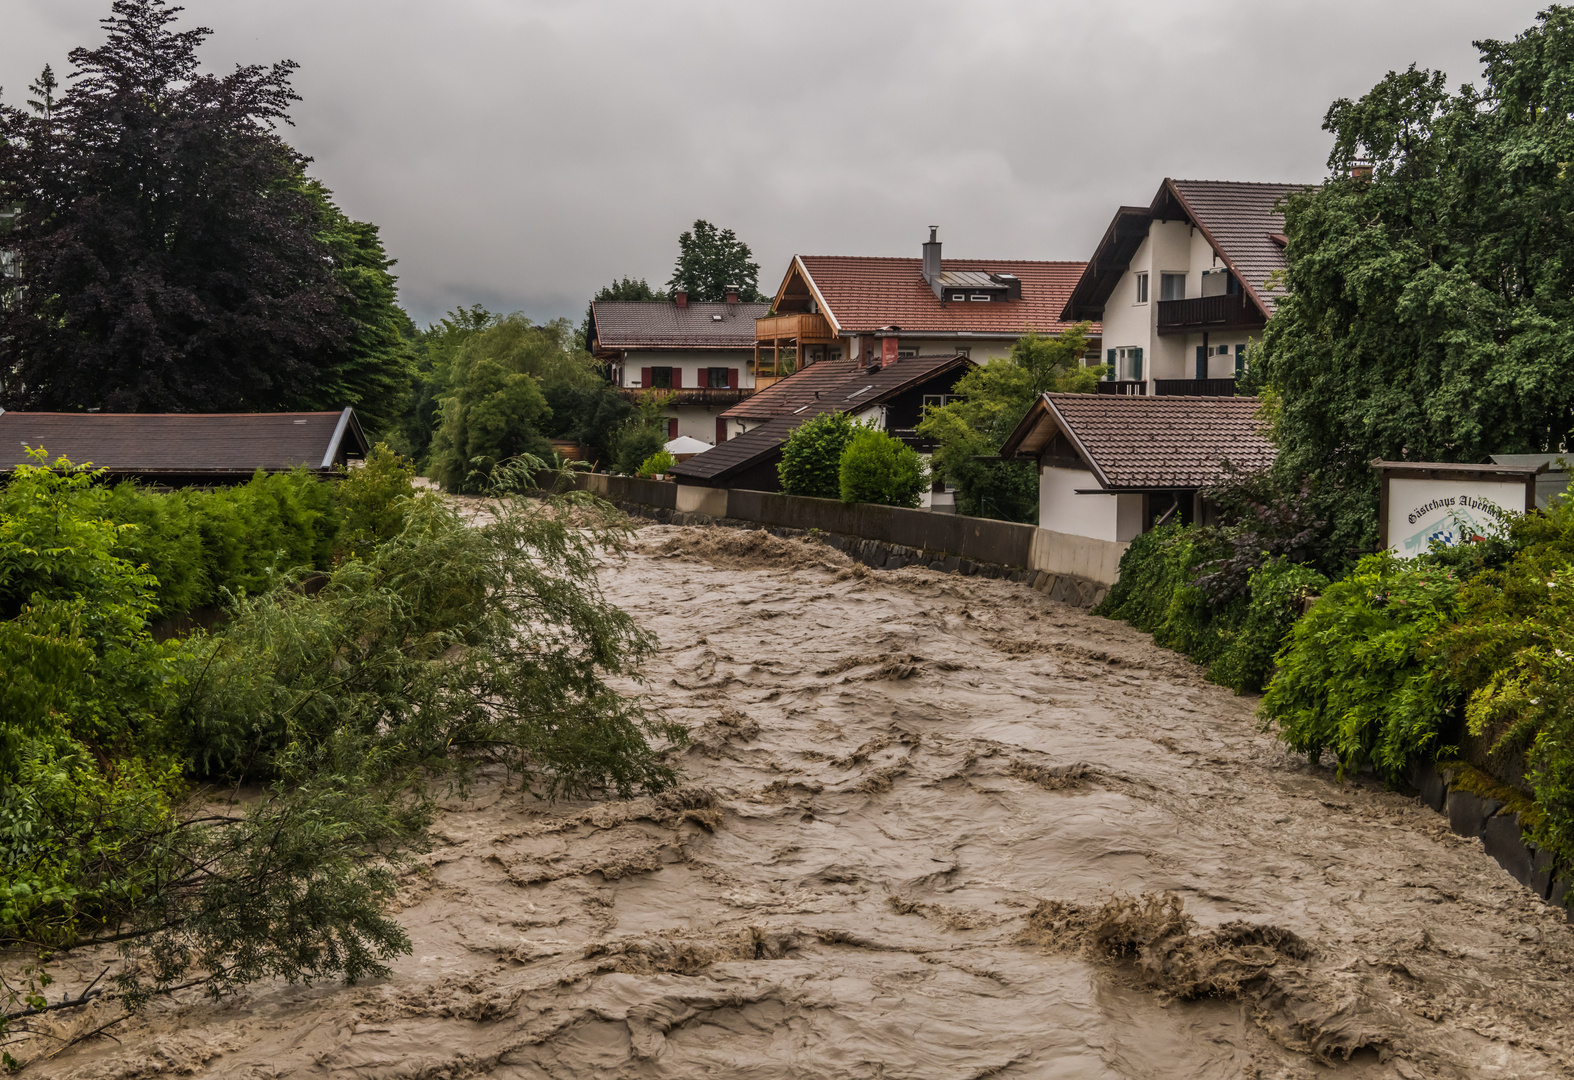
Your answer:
<point x="1209" y="313"/>
<point x="1194" y="387"/>
<point x="803" y="329"/>
<point x="720" y="397"/>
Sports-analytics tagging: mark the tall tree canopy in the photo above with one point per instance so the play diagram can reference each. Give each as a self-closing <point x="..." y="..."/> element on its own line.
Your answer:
<point x="709" y="260"/>
<point x="172" y="254"/>
<point x="1431" y="306"/>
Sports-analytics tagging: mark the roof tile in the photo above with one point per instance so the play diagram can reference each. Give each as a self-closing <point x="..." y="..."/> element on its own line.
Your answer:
<point x="1164" y="442"/>
<point x="867" y="294"/>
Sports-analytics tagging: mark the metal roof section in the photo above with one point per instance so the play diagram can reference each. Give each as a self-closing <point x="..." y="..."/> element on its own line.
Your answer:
<point x="186" y="444"/>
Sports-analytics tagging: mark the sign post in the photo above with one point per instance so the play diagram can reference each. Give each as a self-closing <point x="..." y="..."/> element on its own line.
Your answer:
<point x="1427" y="502"/>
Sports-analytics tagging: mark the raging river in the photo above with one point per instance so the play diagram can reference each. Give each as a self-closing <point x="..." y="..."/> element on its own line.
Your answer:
<point x="931" y="827"/>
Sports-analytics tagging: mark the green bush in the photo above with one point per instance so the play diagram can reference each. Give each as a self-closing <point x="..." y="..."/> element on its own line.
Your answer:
<point x="201" y="545"/>
<point x="636" y="443"/>
<point x="374" y="499"/>
<point x="812" y="456"/>
<point x="1358" y="674"/>
<point x="1245" y="659"/>
<point x="657" y="464"/>
<point x="880" y="468"/>
<point x="1237" y="640"/>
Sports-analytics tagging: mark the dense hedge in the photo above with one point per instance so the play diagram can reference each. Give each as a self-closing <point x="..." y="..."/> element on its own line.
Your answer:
<point x="1236" y="639"/>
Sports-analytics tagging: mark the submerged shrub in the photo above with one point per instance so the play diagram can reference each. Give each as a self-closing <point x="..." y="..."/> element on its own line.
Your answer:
<point x="880" y="468"/>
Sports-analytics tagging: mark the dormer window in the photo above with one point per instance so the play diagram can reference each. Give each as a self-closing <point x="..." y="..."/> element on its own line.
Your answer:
<point x="977" y="297"/>
<point x="959" y="296"/>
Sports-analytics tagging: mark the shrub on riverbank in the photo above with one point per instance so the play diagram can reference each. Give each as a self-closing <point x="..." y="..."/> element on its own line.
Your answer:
<point x="337" y="696"/>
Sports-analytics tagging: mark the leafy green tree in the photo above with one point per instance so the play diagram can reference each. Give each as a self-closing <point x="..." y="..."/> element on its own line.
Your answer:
<point x="373" y="366"/>
<point x="434" y="349"/>
<point x="620" y="289"/>
<point x="643" y="434"/>
<point x="812" y="456"/>
<point x="171" y="254"/>
<point x="709" y="260"/>
<point x="1430" y="313"/>
<point x="988" y="403"/>
<point x="880" y="468"/>
<point x="493" y="404"/>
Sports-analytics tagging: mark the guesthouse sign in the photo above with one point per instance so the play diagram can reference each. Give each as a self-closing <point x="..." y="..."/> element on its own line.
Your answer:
<point x="1425" y="503"/>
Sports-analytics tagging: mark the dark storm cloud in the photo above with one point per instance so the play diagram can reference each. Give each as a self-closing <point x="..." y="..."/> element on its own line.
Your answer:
<point x="521" y="154"/>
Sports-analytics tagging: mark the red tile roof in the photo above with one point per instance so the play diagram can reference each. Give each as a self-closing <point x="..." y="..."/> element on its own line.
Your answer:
<point x="863" y="295"/>
<point x="154" y="444"/>
<point x="1149" y="443"/>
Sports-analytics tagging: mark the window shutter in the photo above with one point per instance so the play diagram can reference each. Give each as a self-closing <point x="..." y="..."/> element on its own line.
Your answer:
<point x="677" y="379"/>
<point x="704" y="378"/>
<point x="644" y="376"/>
<point x="1240" y="360"/>
<point x="732" y="378"/>
<point x="1202" y="361"/>
<point x="721" y="431"/>
<point x="1114" y="371"/>
<point x="672" y="427"/>
<point x="1136" y="363"/>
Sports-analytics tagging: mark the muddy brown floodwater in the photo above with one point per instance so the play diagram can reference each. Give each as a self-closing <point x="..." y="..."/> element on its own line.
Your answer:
<point x="933" y="827"/>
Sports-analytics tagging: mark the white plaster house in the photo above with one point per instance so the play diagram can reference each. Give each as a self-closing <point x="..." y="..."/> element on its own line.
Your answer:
<point x="698" y="353"/>
<point x="1113" y="466"/>
<point x="1184" y="285"/>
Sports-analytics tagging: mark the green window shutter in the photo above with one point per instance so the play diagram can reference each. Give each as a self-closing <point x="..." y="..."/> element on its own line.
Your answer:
<point x="1240" y="360"/>
<point x="1136" y="365"/>
<point x="1114" y="369"/>
<point x="1202" y="361"/>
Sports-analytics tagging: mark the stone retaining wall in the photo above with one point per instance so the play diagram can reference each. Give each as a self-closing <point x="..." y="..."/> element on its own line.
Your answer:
<point x="1074" y="569"/>
<point x="1499" y="829"/>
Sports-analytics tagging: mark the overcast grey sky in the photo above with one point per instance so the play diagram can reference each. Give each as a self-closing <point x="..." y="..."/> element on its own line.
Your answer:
<point x="521" y="153"/>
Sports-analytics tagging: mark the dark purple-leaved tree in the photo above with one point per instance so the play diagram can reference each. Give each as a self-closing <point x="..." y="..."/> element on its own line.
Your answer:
<point x="172" y="255"/>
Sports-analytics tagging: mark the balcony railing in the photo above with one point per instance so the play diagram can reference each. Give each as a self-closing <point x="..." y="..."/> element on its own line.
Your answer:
<point x="1208" y="313"/>
<point x="1194" y="387"/>
<point x="1123" y="387"/>
<point x="802" y="328"/>
<point x="699" y="395"/>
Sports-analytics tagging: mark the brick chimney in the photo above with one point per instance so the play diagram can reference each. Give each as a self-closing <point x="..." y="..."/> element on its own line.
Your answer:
<point x="932" y="260"/>
<point x="732" y="294"/>
<point x="681" y="297"/>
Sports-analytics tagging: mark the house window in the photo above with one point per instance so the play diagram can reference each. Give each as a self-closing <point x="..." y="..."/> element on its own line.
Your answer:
<point x="937" y="401"/>
<point x="1126" y="363"/>
<point x="661" y="378"/>
<point x="980" y="296"/>
<point x="906" y="354"/>
<point x="716" y="377"/>
<point x="965" y="351"/>
<point x="834" y="355"/>
<point x="959" y="296"/>
<point x="1172" y="286"/>
<point x="1142" y="288"/>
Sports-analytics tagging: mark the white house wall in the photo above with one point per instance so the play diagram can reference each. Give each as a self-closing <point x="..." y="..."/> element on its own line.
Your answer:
<point x="690" y="361"/>
<point x="1060" y="507"/>
<point x="1171" y="247"/>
